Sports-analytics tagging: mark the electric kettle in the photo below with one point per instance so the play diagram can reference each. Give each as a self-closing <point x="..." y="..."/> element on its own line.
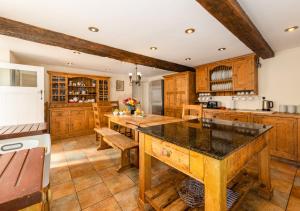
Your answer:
<point x="267" y="104"/>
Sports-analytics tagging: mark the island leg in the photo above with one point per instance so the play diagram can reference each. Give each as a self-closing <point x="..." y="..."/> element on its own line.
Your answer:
<point x="215" y="184"/>
<point x="144" y="172"/>
<point x="265" y="189"/>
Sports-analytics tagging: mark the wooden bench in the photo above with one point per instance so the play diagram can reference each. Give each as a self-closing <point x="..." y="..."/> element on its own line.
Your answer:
<point x="109" y="137"/>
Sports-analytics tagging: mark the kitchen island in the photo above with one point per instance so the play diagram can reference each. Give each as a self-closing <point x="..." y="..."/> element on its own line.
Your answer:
<point x="211" y="151"/>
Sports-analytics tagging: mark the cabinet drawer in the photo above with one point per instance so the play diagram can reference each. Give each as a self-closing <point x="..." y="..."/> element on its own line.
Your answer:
<point x="77" y="112"/>
<point x="171" y="154"/>
<point x="59" y="113"/>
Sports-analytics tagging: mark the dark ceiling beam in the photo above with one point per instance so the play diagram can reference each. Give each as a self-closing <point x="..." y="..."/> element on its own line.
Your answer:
<point x="234" y="18"/>
<point x="36" y="34"/>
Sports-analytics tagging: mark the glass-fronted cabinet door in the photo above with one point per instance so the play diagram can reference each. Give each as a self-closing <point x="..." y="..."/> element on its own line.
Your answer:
<point x="103" y="90"/>
<point x="58" y="89"/>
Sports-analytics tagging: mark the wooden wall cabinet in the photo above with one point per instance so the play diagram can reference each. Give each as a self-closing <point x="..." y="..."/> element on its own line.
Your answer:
<point x="240" y="75"/>
<point x="202" y="81"/>
<point x="245" y="74"/>
<point x="179" y="89"/>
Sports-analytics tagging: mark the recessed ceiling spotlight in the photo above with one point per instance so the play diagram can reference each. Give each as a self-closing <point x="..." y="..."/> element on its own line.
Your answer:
<point x="153" y="48"/>
<point x="221" y="49"/>
<point x="190" y="31"/>
<point x="93" y="29"/>
<point x="69" y="63"/>
<point x="291" y="29"/>
<point x="188" y="59"/>
<point x="76" y="52"/>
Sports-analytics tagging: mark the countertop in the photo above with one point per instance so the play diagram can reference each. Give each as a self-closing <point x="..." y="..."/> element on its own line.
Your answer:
<point x="212" y="137"/>
<point x="256" y="112"/>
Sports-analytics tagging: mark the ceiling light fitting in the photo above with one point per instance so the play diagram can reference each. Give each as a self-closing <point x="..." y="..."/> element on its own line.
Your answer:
<point x="138" y="77"/>
<point x="221" y="49"/>
<point x="190" y="31"/>
<point x="93" y="29"/>
<point x="69" y="63"/>
<point x="188" y="59"/>
<point x="153" y="48"/>
<point x="291" y="29"/>
<point x="76" y="52"/>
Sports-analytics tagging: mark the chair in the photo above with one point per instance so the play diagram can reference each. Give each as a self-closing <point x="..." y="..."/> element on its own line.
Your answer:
<point x="192" y="112"/>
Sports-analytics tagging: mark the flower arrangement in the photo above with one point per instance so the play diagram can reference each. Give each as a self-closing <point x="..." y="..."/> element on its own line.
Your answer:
<point x="131" y="104"/>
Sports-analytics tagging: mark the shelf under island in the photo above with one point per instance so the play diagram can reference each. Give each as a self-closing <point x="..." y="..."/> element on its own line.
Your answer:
<point x="213" y="152"/>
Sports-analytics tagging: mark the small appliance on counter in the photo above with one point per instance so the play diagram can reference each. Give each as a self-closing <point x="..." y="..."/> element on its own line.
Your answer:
<point x="267" y="104"/>
<point x="214" y="104"/>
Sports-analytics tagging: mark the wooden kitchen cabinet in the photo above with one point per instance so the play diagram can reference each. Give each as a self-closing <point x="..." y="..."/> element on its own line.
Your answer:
<point x="179" y="89"/>
<point x="283" y="137"/>
<point x="202" y="81"/>
<point x="59" y="123"/>
<point x="245" y="74"/>
<point x="72" y="121"/>
<point x="216" y="114"/>
<point x="213" y="78"/>
<point x="240" y="117"/>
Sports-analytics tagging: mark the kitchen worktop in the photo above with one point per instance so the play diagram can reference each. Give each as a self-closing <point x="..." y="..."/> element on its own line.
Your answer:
<point x="254" y="111"/>
<point x="213" y="137"/>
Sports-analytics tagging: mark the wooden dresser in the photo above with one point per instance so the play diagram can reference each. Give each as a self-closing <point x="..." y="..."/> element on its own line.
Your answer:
<point x="179" y="89"/>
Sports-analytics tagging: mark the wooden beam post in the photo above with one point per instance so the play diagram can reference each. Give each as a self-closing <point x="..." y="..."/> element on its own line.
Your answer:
<point x="234" y="18"/>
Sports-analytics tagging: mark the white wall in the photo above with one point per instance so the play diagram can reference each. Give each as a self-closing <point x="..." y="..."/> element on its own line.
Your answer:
<point x="278" y="80"/>
<point x="4" y="55"/>
<point x="114" y="95"/>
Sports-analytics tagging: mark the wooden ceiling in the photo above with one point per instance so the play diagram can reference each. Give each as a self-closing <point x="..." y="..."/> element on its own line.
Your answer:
<point x="234" y="18"/>
<point x="36" y="34"/>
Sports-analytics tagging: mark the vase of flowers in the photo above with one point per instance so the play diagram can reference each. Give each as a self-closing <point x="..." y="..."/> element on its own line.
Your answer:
<point x="131" y="104"/>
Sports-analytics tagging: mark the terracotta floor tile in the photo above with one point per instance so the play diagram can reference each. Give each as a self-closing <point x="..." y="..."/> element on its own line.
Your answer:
<point x="296" y="192"/>
<point x="70" y="145"/>
<point x="294" y="204"/>
<point x="118" y="183"/>
<point x="103" y="164"/>
<point x="86" y="181"/>
<point x="133" y="174"/>
<point x="280" y="199"/>
<point x="128" y="199"/>
<point x="109" y="204"/>
<point x="284" y="167"/>
<point x="59" y="175"/>
<point x="61" y="190"/>
<point x="91" y="196"/>
<point x="108" y="172"/>
<point x="67" y="203"/>
<point x="57" y="147"/>
<point x="81" y="170"/>
<point x="252" y="202"/>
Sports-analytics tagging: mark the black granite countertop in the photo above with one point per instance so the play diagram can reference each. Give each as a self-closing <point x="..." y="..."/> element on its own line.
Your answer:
<point x="212" y="137"/>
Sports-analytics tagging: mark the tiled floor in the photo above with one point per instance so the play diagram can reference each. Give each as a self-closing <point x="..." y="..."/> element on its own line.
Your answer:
<point x="83" y="178"/>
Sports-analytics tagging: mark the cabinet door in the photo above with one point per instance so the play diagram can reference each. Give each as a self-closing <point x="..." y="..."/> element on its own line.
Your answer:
<point x="181" y="90"/>
<point x="202" y="82"/>
<point x="272" y="134"/>
<point x="59" y="125"/>
<point x="169" y="112"/>
<point x="78" y="123"/>
<point x="213" y="114"/>
<point x="169" y="91"/>
<point x="286" y="138"/>
<point x="244" y="74"/>
<point x="90" y="119"/>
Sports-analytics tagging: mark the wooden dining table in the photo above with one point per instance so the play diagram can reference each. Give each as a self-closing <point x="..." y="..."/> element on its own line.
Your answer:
<point x="133" y="121"/>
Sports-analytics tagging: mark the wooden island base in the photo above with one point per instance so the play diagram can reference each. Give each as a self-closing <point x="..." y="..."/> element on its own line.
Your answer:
<point x="216" y="175"/>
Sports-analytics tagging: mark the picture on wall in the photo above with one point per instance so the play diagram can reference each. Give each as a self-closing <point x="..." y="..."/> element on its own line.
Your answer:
<point x="119" y="85"/>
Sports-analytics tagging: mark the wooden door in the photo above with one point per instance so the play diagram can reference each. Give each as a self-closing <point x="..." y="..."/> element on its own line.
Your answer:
<point x="59" y="124"/>
<point x="202" y="81"/>
<point x="286" y="138"/>
<point x="90" y="119"/>
<point x="244" y="74"/>
<point x="78" y="123"/>
<point x="181" y="90"/>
